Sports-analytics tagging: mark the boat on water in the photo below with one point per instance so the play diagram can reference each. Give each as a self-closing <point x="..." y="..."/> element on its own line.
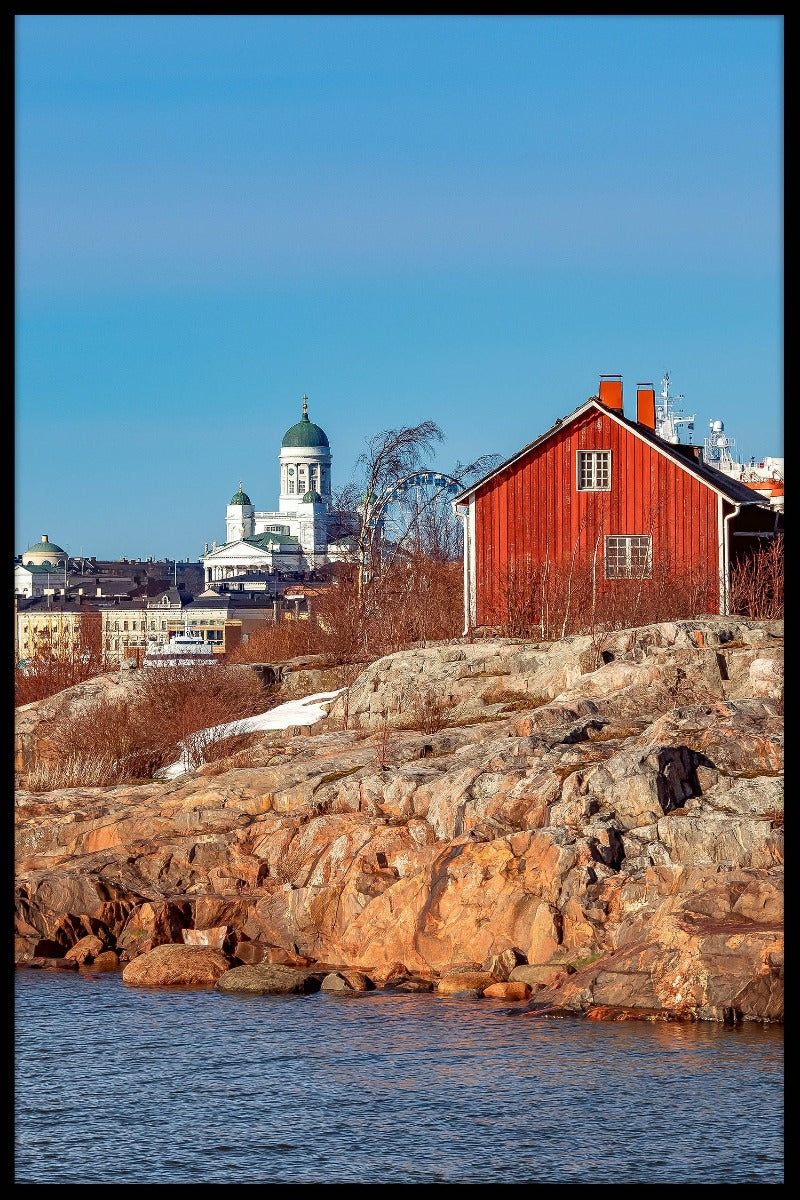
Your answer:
<point x="764" y="475"/>
<point x="184" y="649"/>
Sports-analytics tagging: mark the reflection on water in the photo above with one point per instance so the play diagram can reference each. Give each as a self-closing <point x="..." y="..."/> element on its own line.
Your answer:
<point x="131" y="1085"/>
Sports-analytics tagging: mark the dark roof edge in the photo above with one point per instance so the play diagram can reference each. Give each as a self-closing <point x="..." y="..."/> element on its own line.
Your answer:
<point x="732" y="489"/>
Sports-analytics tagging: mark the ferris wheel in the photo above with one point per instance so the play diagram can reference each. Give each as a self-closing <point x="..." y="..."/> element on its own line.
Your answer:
<point x="415" y="515"/>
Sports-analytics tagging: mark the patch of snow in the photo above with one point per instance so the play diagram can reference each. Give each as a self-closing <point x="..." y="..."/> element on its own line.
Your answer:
<point x="305" y="711"/>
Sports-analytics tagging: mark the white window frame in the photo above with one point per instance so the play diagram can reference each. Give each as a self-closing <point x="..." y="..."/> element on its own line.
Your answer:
<point x="599" y="466"/>
<point x="626" y="549"/>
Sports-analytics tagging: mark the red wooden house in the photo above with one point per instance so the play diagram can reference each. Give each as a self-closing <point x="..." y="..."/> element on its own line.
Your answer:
<point x="600" y="510"/>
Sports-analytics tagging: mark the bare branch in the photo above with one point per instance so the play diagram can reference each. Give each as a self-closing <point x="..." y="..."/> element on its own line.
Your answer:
<point x="470" y="472"/>
<point x="389" y="456"/>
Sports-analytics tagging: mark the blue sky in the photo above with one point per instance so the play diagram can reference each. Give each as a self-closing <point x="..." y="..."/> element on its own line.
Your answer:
<point x="464" y="219"/>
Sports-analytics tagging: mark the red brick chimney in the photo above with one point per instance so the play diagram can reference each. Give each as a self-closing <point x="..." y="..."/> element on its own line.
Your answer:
<point x="611" y="391"/>
<point x="646" y="405"/>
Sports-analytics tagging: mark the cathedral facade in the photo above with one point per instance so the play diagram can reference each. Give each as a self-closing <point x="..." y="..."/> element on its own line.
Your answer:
<point x="294" y="538"/>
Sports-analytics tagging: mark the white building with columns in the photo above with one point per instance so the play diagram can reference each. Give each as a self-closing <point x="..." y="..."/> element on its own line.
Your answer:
<point x="295" y="537"/>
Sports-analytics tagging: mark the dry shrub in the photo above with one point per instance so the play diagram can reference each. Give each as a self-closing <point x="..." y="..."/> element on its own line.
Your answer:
<point x="757" y="582"/>
<point x="63" y="657"/>
<point x="277" y="642"/>
<point x="188" y="703"/>
<point x="230" y="753"/>
<point x="549" y="602"/>
<point x="110" y="743"/>
<point x="346" y="674"/>
<point x="383" y="747"/>
<point x="172" y="713"/>
<point x="233" y="746"/>
<point x="412" y="602"/>
<point x="416" y="601"/>
<point x="425" y="709"/>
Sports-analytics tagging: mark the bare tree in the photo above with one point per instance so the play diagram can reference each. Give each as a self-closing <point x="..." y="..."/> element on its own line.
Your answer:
<point x="344" y="519"/>
<point x="388" y="456"/>
<point x="423" y="525"/>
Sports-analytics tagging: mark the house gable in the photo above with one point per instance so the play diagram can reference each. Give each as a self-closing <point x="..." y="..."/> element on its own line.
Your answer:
<point x="730" y="489"/>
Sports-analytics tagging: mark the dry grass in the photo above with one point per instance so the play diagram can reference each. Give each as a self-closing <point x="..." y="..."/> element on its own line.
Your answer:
<point x="335" y="776"/>
<point x="167" y="717"/>
<point x="73" y="771"/>
<point x="513" y="700"/>
<point x="613" y="733"/>
<point x="425" y="709"/>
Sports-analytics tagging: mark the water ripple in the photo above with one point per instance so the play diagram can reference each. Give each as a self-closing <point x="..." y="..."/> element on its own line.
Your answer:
<point x="122" y="1085"/>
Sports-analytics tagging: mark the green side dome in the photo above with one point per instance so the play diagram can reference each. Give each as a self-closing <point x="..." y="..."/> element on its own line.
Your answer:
<point x="240" y="497"/>
<point x="312" y="497"/>
<point x="305" y="432"/>
<point x="45" y="546"/>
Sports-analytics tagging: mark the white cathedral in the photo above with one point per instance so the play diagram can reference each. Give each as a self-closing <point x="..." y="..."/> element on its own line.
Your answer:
<point x="293" y="539"/>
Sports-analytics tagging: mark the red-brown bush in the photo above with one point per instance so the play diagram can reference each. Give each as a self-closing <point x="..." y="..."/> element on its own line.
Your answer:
<point x="62" y="658"/>
<point x="168" y="714"/>
<point x="416" y="601"/>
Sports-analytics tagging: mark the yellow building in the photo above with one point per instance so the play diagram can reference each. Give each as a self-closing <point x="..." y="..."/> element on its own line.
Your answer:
<point x="48" y="627"/>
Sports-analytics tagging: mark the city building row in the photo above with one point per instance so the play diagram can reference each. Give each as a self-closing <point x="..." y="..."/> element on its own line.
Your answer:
<point x="122" y="627"/>
<point x="261" y="572"/>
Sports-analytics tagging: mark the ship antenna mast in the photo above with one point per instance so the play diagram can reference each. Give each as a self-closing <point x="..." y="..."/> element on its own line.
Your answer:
<point x="668" y="417"/>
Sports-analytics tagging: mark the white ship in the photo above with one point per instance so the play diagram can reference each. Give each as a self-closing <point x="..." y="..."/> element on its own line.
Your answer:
<point x="764" y="475"/>
<point x="184" y="649"/>
<point x="670" y="418"/>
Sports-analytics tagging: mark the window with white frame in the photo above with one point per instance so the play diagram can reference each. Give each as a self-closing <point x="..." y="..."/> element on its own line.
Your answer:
<point x="594" y="470"/>
<point x="629" y="556"/>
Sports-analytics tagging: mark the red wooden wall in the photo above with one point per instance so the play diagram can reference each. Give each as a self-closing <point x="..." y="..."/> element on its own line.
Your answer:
<point x="532" y="512"/>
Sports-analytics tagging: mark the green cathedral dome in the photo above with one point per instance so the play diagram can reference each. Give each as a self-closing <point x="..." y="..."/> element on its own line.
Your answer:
<point x="305" y="432"/>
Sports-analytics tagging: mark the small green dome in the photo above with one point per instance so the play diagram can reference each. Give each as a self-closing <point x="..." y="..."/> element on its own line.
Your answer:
<point x="312" y="497"/>
<point x="305" y="432"/>
<point x="240" y="497"/>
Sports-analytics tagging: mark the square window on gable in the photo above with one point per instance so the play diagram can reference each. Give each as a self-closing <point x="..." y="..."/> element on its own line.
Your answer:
<point x="593" y="473"/>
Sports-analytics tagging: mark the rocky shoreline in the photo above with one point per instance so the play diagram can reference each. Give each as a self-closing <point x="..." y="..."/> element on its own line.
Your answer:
<point x="592" y="827"/>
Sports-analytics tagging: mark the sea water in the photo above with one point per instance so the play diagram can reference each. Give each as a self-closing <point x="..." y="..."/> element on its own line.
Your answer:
<point x="115" y="1084"/>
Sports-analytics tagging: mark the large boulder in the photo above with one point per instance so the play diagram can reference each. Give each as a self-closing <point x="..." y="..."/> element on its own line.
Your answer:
<point x="265" y="979"/>
<point x="176" y="966"/>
